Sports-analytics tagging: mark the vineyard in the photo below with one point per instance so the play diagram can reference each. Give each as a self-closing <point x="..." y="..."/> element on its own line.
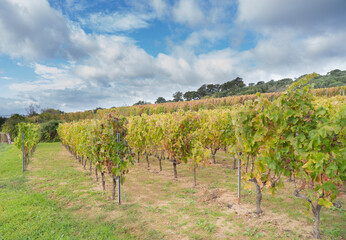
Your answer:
<point x="290" y="145"/>
<point x="295" y="136"/>
<point x="172" y="120"/>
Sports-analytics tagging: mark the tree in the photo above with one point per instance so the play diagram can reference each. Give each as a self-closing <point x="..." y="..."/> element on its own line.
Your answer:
<point x="160" y="100"/>
<point x="49" y="114"/>
<point x="52" y="111"/>
<point x="213" y="88"/>
<point x="234" y="84"/>
<point x="334" y="72"/>
<point x="202" y="91"/>
<point x="32" y="110"/>
<point x="140" y="102"/>
<point x="178" y="97"/>
<point x="2" y="121"/>
<point x="191" y="95"/>
<point x="96" y="109"/>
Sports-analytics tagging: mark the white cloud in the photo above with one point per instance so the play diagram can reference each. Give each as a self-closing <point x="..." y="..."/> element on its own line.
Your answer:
<point x="77" y="5"/>
<point x="10" y="106"/>
<point x="117" y="59"/>
<point x="47" y="72"/>
<point x="309" y="16"/>
<point x="188" y="11"/>
<point x="295" y="37"/>
<point x="109" y="70"/>
<point x="160" y="7"/>
<point x="33" y="30"/>
<point x="204" y="36"/>
<point x="326" y="45"/>
<point x="49" y="78"/>
<point x="6" y="78"/>
<point x="116" y="22"/>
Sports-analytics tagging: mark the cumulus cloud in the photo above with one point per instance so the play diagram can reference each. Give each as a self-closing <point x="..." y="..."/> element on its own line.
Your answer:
<point x="188" y="11"/>
<point x="305" y="16"/>
<point x="49" y="78"/>
<point x="121" y="78"/>
<point x="33" y="30"/>
<point x="10" y="106"/>
<point x="204" y="39"/>
<point x="111" y="70"/>
<point x="160" y="7"/>
<point x="295" y="37"/>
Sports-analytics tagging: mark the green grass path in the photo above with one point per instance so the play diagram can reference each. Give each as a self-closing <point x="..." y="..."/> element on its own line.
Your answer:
<point x="29" y="209"/>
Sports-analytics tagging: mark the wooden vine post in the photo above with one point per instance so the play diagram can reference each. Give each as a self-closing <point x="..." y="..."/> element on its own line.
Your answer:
<point x="23" y="151"/>
<point x="239" y="177"/>
<point x="118" y="178"/>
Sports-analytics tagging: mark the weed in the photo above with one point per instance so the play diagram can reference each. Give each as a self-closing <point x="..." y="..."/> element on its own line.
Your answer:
<point x="189" y="190"/>
<point x="214" y="185"/>
<point x="205" y="225"/>
<point x="149" y="182"/>
<point x="155" y="209"/>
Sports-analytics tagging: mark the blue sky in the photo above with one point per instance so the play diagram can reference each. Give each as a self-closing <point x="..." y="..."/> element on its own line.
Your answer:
<point x="75" y="55"/>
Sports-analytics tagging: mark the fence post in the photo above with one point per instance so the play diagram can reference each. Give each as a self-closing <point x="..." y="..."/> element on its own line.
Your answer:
<point x="8" y="138"/>
<point x="239" y="176"/>
<point x="23" y="151"/>
<point x="118" y="178"/>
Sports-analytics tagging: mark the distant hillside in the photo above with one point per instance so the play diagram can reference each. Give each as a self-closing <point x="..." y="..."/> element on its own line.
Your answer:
<point x="237" y="87"/>
<point x="335" y="78"/>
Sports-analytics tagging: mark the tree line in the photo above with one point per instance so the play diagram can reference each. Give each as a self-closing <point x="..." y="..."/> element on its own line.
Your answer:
<point x="236" y="87"/>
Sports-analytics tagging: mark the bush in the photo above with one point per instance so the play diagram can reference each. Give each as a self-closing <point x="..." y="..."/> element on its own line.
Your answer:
<point x="48" y="131"/>
<point x="10" y="125"/>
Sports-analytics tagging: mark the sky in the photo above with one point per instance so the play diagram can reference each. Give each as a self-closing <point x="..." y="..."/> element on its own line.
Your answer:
<point x="76" y="55"/>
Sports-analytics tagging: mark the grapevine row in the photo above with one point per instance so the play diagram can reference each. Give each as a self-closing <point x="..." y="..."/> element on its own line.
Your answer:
<point x="102" y="143"/>
<point x="295" y="135"/>
<point x="26" y="141"/>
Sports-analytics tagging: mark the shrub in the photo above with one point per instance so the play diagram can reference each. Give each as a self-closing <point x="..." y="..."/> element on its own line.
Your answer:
<point x="48" y="131"/>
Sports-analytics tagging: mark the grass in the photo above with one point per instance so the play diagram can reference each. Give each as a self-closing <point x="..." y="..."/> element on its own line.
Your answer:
<point x="206" y="225"/>
<point x="58" y="199"/>
<point x="4" y="147"/>
<point x="28" y="214"/>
